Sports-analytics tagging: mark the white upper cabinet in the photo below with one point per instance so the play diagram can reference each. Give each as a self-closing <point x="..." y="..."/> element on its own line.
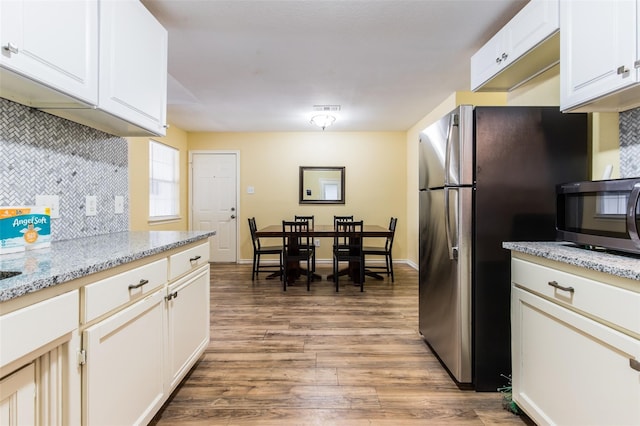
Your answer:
<point x="599" y="55"/>
<point x="133" y="71"/>
<point x="525" y="47"/>
<point x="53" y="43"/>
<point x="99" y="63"/>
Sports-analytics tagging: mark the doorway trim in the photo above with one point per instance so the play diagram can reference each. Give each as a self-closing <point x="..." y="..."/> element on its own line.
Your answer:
<point x="238" y="204"/>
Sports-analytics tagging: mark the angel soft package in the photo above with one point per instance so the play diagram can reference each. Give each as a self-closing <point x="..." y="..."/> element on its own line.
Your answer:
<point x="24" y="227"/>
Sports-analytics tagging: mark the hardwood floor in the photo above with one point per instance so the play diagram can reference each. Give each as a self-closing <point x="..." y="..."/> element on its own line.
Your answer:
<point x="321" y="358"/>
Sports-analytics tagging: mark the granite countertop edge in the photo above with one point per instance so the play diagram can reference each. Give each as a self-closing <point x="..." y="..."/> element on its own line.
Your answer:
<point x="619" y="264"/>
<point x="59" y="264"/>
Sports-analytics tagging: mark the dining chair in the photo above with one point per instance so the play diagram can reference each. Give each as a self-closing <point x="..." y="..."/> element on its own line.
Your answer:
<point x="382" y="251"/>
<point x="312" y="247"/>
<point x="295" y="234"/>
<point x="341" y="218"/>
<point x="347" y="247"/>
<point x="259" y="250"/>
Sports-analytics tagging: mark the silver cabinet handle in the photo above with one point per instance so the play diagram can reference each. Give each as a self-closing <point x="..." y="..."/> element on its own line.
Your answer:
<point x="11" y="48"/>
<point x="140" y="284"/>
<point x="555" y="284"/>
<point x="622" y="70"/>
<point x="193" y="259"/>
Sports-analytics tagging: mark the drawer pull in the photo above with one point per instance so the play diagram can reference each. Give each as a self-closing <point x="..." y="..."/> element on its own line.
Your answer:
<point x="172" y="295"/>
<point x="634" y="363"/>
<point x="140" y="284"/>
<point x="555" y="284"/>
<point x="193" y="259"/>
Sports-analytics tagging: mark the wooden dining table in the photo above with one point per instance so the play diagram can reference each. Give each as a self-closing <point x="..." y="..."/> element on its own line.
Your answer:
<point x="327" y="231"/>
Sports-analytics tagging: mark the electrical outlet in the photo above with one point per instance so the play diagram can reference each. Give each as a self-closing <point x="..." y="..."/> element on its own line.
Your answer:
<point x="119" y="204"/>
<point x="91" y="205"/>
<point x="317" y="242"/>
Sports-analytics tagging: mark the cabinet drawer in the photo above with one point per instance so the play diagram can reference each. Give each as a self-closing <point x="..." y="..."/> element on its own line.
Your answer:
<point x="27" y="329"/>
<point x="110" y="293"/>
<point x="614" y="305"/>
<point x="187" y="260"/>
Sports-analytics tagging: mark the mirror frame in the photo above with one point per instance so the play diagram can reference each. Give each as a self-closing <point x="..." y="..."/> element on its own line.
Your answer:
<point x="303" y="169"/>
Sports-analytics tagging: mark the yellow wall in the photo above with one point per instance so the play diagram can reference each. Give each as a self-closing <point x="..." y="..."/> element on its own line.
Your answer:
<point x="375" y="177"/>
<point x="605" y="148"/>
<point x="139" y="182"/>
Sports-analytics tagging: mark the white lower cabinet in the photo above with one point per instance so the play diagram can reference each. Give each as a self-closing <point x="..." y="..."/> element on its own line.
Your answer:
<point x="123" y="373"/>
<point x="188" y="322"/>
<point x="144" y="342"/>
<point x="568" y="367"/>
<point x="18" y="398"/>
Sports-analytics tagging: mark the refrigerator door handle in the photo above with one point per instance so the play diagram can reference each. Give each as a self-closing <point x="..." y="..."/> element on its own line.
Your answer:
<point x="632" y="206"/>
<point x="453" y="250"/>
<point x="453" y="121"/>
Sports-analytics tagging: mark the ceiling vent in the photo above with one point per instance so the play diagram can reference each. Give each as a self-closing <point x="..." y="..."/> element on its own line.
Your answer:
<point x="326" y="108"/>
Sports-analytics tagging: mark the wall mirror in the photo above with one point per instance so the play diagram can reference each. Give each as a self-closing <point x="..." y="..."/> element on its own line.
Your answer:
<point x="321" y="185"/>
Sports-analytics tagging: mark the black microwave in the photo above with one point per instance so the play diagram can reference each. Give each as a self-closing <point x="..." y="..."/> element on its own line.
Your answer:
<point x="602" y="213"/>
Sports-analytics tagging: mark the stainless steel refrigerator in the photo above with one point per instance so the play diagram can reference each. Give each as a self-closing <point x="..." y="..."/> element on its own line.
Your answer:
<point x="487" y="175"/>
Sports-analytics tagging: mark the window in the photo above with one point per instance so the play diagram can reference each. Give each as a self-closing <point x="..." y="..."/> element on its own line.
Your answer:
<point x="164" y="181"/>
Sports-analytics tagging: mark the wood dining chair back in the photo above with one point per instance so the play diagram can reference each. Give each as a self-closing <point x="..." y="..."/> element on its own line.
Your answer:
<point x="312" y="247"/>
<point x="383" y="251"/>
<point x="295" y="238"/>
<point x="337" y="219"/>
<point x="347" y="247"/>
<point x="259" y="250"/>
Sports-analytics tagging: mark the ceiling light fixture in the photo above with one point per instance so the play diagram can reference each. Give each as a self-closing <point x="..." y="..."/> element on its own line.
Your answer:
<point x="323" y="120"/>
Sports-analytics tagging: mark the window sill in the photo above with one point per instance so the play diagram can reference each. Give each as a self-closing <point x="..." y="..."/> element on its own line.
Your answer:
<point x="163" y="219"/>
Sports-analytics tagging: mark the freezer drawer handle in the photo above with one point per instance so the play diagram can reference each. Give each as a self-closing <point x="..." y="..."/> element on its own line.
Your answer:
<point x="193" y="259"/>
<point x="634" y="363"/>
<point x="140" y="284"/>
<point x="555" y="284"/>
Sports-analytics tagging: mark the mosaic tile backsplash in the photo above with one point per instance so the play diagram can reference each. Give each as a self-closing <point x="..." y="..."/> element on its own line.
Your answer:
<point x="45" y="155"/>
<point x="630" y="143"/>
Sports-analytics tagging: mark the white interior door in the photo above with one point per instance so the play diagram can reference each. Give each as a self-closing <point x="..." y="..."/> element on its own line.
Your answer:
<point x="213" y="201"/>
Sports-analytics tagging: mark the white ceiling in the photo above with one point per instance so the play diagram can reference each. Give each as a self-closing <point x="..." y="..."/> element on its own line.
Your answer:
<point x="261" y="65"/>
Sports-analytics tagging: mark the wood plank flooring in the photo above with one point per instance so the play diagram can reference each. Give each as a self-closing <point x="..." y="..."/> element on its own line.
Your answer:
<point x="321" y="358"/>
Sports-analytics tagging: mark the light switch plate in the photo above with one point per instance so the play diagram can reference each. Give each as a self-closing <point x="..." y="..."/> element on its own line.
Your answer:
<point x="91" y="205"/>
<point x="119" y="204"/>
<point x="51" y="201"/>
<point x="250" y="190"/>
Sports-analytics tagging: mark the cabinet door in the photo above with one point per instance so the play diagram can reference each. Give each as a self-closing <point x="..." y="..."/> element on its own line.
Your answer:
<point x="17" y="398"/>
<point x="568" y="369"/>
<point x="533" y="24"/>
<point x="188" y="314"/>
<point x="487" y="61"/>
<point x="598" y="42"/>
<point x="54" y="43"/>
<point x="123" y="375"/>
<point x="133" y="64"/>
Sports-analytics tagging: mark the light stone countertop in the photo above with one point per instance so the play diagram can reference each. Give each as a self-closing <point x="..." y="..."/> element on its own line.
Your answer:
<point x="620" y="264"/>
<point x="70" y="259"/>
